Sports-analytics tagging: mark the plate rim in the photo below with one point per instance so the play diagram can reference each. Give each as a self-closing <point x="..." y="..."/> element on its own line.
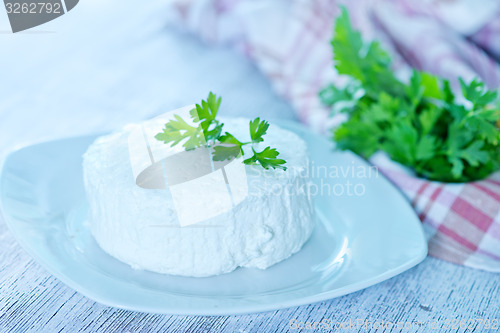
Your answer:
<point x="212" y="311"/>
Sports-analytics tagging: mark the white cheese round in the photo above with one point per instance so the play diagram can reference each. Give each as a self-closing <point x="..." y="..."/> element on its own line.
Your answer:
<point x="141" y="227"/>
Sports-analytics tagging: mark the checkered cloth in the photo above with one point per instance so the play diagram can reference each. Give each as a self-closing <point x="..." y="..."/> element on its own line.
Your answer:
<point x="289" y="42"/>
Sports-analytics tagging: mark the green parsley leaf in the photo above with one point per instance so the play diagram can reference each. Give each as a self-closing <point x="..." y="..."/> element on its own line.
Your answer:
<point x="418" y="123"/>
<point x="342" y="100"/>
<point x="230" y="148"/>
<point x="266" y="158"/>
<point x="229" y="138"/>
<point x="476" y="93"/>
<point x="206" y="113"/>
<point x="226" y="152"/>
<point x="258" y="129"/>
<point x="209" y="133"/>
<point x="367" y="63"/>
<point x="178" y="130"/>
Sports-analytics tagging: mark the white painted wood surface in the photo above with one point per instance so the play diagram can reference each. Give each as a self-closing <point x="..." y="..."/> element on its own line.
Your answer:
<point x="104" y="65"/>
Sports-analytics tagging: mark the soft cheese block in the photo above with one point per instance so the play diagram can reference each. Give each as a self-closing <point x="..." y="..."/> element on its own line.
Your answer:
<point x="141" y="226"/>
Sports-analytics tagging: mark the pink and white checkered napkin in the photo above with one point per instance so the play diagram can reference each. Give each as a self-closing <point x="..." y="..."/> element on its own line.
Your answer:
<point x="289" y="42"/>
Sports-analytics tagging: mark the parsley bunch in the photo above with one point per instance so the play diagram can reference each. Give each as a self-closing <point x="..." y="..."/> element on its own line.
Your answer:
<point x="419" y="123"/>
<point x="209" y="132"/>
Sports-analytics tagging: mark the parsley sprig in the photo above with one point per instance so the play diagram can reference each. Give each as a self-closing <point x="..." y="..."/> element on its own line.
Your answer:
<point x="209" y="132"/>
<point x="419" y="124"/>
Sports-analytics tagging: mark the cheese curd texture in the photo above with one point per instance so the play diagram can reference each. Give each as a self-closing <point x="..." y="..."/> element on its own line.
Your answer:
<point x="140" y="226"/>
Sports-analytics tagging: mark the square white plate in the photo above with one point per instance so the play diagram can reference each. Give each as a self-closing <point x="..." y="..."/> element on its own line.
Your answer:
<point x="359" y="240"/>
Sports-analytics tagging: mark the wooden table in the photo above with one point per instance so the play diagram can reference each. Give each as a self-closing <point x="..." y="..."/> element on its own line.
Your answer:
<point x="104" y="65"/>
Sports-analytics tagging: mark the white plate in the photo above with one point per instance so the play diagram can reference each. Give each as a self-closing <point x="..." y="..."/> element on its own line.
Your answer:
<point x="359" y="240"/>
